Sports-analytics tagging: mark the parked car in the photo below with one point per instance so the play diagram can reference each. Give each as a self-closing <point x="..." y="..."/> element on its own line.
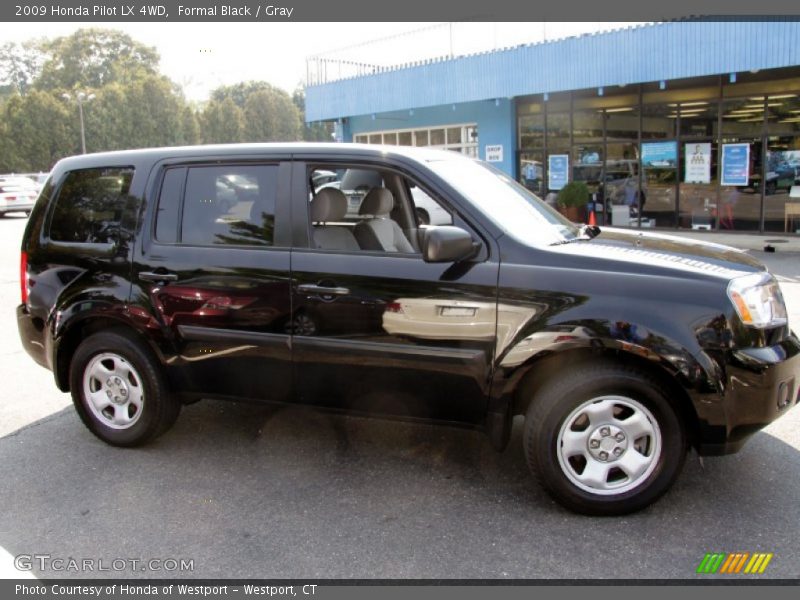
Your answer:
<point x="37" y="178"/>
<point x="17" y="194"/>
<point x="621" y="349"/>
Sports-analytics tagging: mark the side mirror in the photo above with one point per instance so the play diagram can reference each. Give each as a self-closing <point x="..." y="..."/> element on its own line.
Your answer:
<point x="446" y="243"/>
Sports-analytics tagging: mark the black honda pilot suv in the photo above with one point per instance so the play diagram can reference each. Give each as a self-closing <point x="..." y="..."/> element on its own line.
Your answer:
<point x="153" y="278"/>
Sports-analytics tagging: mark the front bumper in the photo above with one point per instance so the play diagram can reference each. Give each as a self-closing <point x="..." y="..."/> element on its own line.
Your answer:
<point x="761" y="384"/>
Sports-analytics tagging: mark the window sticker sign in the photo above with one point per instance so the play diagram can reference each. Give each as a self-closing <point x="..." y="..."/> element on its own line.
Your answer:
<point x="557" y="171"/>
<point x="660" y="155"/>
<point x="735" y="164"/>
<point x="494" y="153"/>
<point x="698" y="163"/>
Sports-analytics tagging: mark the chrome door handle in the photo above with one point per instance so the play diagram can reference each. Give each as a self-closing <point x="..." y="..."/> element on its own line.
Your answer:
<point x="153" y="276"/>
<point x="310" y="288"/>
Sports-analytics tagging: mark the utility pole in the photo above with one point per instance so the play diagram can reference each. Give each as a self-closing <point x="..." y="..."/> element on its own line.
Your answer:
<point x="80" y="98"/>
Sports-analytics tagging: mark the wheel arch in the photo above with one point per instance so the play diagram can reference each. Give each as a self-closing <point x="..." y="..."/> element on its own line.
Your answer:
<point x="74" y="333"/>
<point x="540" y="371"/>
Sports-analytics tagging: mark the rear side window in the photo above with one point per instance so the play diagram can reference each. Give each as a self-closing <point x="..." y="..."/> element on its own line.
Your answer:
<point x="222" y="205"/>
<point x="90" y="205"/>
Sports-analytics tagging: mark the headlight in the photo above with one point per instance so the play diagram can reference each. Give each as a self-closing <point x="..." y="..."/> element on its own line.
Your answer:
<point x="758" y="300"/>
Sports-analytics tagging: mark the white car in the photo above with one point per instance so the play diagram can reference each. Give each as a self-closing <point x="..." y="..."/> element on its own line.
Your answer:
<point x="17" y="194"/>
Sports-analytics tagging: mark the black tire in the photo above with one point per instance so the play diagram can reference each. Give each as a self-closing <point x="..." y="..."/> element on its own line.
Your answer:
<point x="423" y="216"/>
<point x="301" y="323"/>
<point x="141" y="376"/>
<point x="598" y="387"/>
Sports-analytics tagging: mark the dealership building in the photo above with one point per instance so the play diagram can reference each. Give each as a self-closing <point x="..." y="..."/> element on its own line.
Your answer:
<point x="685" y="124"/>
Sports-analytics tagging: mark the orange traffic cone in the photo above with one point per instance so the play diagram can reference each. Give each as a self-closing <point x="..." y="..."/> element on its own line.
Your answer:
<point x="592" y="219"/>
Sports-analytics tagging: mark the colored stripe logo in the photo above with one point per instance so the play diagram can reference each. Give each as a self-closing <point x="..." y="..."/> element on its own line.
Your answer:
<point x="734" y="563"/>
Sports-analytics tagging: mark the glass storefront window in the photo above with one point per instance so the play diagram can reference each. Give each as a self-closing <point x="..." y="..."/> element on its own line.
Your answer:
<point x="742" y="117"/>
<point x="587" y="165"/>
<point x="782" y="173"/>
<point x="531" y="131"/>
<point x="659" y="169"/>
<point x="698" y="118"/>
<point x="620" y="185"/>
<point x="740" y="206"/>
<point x="531" y="172"/>
<point x="608" y="133"/>
<point x="587" y="127"/>
<point x="659" y="121"/>
<point x="622" y="123"/>
<point x="404" y="138"/>
<point x="558" y="129"/>
<point x="697" y="201"/>
<point x="783" y="114"/>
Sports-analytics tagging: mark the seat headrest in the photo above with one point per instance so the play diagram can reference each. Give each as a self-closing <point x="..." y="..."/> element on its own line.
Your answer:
<point x="378" y="202"/>
<point x="329" y="204"/>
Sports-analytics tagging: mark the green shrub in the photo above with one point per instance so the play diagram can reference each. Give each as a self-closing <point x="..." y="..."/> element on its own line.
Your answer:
<point x="575" y="193"/>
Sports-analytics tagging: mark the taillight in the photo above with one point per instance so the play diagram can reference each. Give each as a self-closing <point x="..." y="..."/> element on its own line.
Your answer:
<point x="394" y="307"/>
<point x="565" y="338"/>
<point x="23" y="276"/>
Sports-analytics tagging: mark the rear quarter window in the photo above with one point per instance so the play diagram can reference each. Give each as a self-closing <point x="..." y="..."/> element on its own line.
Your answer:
<point x="90" y="205"/>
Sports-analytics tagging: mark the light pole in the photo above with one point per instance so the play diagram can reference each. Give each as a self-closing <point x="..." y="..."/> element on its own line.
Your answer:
<point x="80" y="98"/>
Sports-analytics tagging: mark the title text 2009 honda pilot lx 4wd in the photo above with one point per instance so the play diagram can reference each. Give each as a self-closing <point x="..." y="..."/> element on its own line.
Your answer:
<point x="149" y="280"/>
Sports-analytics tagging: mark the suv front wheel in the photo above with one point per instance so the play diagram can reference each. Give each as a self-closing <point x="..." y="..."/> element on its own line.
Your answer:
<point x="119" y="390"/>
<point x="604" y="441"/>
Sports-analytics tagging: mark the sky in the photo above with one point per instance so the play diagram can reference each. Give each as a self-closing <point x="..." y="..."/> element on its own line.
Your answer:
<point x="203" y="56"/>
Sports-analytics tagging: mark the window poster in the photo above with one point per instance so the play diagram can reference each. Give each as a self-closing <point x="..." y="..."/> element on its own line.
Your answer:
<point x="698" y="162"/>
<point x="735" y="164"/>
<point x="663" y="155"/>
<point x="557" y="171"/>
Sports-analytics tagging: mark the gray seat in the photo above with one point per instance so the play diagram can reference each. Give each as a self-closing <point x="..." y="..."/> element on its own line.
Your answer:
<point x="380" y="233"/>
<point x="329" y="205"/>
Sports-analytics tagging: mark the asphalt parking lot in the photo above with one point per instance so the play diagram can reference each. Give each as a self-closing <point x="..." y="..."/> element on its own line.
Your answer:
<point x="250" y="491"/>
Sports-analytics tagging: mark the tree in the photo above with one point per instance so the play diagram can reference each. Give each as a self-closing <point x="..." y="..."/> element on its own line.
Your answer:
<point x="132" y="104"/>
<point x="20" y="65"/>
<point x="270" y="116"/>
<point x="268" y="113"/>
<point x="146" y="112"/>
<point x="222" y="122"/>
<point x="93" y="58"/>
<point x="239" y="92"/>
<point x="190" y="128"/>
<point x="312" y="132"/>
<point x="38" y="130"/>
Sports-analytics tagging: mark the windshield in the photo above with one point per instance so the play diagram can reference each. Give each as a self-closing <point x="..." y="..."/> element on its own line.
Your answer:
<point x="518" y="212"/>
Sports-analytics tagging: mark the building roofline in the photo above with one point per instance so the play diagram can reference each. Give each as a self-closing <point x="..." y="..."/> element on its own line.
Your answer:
<point x="657" y="52"/>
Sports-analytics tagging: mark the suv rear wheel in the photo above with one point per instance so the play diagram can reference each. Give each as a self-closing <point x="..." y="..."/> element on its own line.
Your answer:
<point x="605" y="441"/>
<point x="119" y="390"/>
